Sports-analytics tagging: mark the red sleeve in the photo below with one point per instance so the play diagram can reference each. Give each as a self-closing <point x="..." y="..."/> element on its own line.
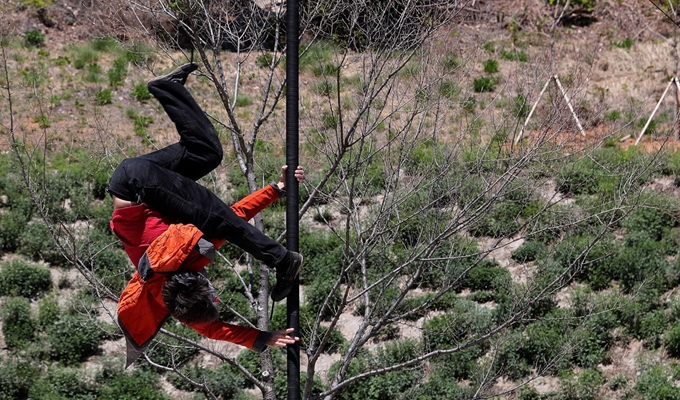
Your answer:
<point x="219" y="330"/>
<point x="255" y="202"/>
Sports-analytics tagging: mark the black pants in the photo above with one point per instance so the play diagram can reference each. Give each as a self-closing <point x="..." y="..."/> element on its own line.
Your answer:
<point x="165" y="179"/>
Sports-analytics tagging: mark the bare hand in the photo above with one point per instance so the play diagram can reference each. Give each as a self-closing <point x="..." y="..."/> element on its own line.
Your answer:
<point x="281" y="338"/>
<point x="299" y="175"/>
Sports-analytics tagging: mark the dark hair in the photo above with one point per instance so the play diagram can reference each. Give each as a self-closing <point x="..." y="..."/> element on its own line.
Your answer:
<point x="190" y="297"/>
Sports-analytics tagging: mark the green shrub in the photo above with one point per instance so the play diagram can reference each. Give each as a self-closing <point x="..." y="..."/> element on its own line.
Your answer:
<point x="94" y="71"/>
<point x="656" y="216"/>
<point x="34" y="77"/>
<point x="543" y="344"/>
<point x="467" y="319"/>
<point x="20" y="278"/>
<point x="326" y="69"/>
<point x="626" y="43"/>
<point x="511" y="356"/>
<point x="529" y="251"/>
<point x="43" y="120"/>
<point x="139" y="55"/>
<point x="656" y="382"/>
<point x="514" y="55"/>
<point x="103" y="96"/>
<point x="18" y="326"/>
<point x="34" y="38"/>
<point x="323" y="256"/>
<point x="84" y="56"/>
<point x="440" y="386"/>
<point x="449" y="261"/>
<point x="641" y="259"/>
<point x="264" y="60"/>
<point x="588" y="259"/>
<point x="484" y="84"/>
<point x="141" y="92"/>
<point x="13" y="222"/>
<point x="449" y="89"/>
<point x="62" y="383"/>
<point x="48" y="311"/>
<point x="103" y="44"/>
<point x="672" y="341"/>
<point x="319" y="292"/>
<point x="323" y="88"/>
<point x="520" y="106"/>
<point x="17" y="376"/>
<point x="632" y="314"/>
<point x="115" y="383"/>
<point x="118" y="72"/>
<point x="450" y="62"/>
<point x="243" y="100"/>
<point x="390" y="385"/>
<point x="110" y="264"/>
<point x="502" y="220"/>
<point x="490" y="66"/>
<point x="72" y="338"/>
<point x="584" y="386"/>
<point x="169" y="351"/>
<point x="488" y="276"/>
<point x="225" y="381"/>
<point x="469" y="104"/>
<point x="37" y="243"/>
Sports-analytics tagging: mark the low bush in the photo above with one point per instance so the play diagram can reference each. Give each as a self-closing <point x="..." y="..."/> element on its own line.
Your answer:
<point x="17" y="376"/>
<point x="37" y="243"/>
<point x="141" y="92"/>
<point x="118" y="72"/>
<point x="671" y="340"/>
<point x="503" y="219"/>
<point x="225" y="381"/>
<point x="21" y="278"/>
<point x="487" y="276"/>
<point x="323" y="256"/>
<point x="18" y="326"/>
<point x="63" y="383"/>
<point x="484" y="84"/>
<point x="390" y="385"/>
<point x="103" y="96"/>
<point x="72" y="338"/>
<point x="529" y="251"/>
<point x="586" y="385"/>
<point x="656" y="382"/>
<point x="34" y="38"/>
<point x="171" y="352"/>
<point x="12" y="225"/>
<point x="318" y="293"/>
<point x="490" y="66"/>
<point x="641" y="259"/>
<point x="115" y="383"/>
<point x="655" y="216"/>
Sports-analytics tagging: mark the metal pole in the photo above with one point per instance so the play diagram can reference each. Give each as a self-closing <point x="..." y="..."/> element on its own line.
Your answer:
<point x="566" y="98"/>
<point x="649" y="120"/>
<point x="292" y="187"/>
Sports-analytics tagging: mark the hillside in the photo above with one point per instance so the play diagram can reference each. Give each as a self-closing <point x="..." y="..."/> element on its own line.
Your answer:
<point x="540" y="268"/>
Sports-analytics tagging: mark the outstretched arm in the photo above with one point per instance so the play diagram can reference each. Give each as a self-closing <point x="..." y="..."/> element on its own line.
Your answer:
<point x="252" y="204"/>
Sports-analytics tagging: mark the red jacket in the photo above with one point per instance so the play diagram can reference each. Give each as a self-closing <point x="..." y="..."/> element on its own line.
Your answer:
<point x="141" y="310"/>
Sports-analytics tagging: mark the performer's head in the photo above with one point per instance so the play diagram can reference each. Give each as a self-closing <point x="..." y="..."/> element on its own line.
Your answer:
<point x="190" y="297"/>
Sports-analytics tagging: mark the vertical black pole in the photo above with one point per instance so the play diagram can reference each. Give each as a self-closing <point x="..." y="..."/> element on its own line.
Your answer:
<point x="292" y="189"/>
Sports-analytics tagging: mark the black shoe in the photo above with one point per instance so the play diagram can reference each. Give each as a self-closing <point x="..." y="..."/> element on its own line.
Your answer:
<point x="179" y="75"/>
<point x="286" y="273"/>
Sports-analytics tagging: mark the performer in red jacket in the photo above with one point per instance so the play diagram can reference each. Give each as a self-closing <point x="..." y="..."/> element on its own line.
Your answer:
<point x="169" y="226"/>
